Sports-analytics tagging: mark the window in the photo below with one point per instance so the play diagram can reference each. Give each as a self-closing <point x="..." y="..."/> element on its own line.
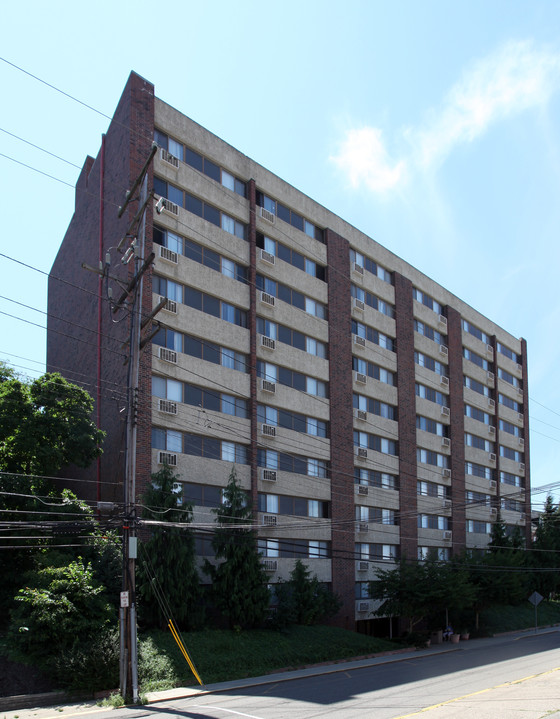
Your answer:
<point x="168" y="191"/>
<point x="511" y="428"/>
<point x="432" y="489"/>
<point x="441" y="554"/>
<point x="376" y="552"/>
<point x="430" y="332"/>
<point x="374" y="406"/>
<point x="508" y="353"/>
<point x="476" y="359"/>
<point x="512" y="479"/>
<point x="473" y="440"/>
<point x="372" y="335"/>
<point x="502" y="374"/>
<point x="319" y="549"/>
<point x="477" y="386"/>
<point x="371" y="266"/>
<point x="426" y="300"/>
<point x="433" y="521"/>
<point x="373" y="478"/>
<point x="475" y="332"/>
<point x="510" y="453"/>
<point x="202" y="495"/>
<point x="430" y="425"/>
<point x="430" y="363"/>
<point x="431" y="394"/>
<point x="291" y="420"/>
<point x="291" y="463"/>
<point x="296" y="259"/>
<point x="289" y="216"/>
<point x="426" y="456"/>
<point x="372" y="370"/>
<point x="511" y="403"/>
<point x="167" y="389"/>
<point x="293" y="506"/>
<point x="376" y="515"/>
<point x="477" y="414"/>
<point x="512" y="505"/>
<point x="212" y="214"/>
<point x="479" y="470"/>
<point x="374" y="442"/>
<point x="476" y="527"/>
<point x="289" y="378"/>
<point x="166" y="439"/>
<point x="168" y="239"/>
<point x="372" y="301"/>
<point x="362" y="590"/>
<point x="478" y="498"/>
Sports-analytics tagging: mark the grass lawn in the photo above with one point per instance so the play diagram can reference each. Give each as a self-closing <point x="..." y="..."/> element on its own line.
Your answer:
<point x="508" y="619"/>
<point x="224" y="655"/>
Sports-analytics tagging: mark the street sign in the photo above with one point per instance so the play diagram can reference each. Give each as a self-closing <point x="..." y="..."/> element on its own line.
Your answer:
<point x="536" y="598"/>
<point x="124" y="599"/>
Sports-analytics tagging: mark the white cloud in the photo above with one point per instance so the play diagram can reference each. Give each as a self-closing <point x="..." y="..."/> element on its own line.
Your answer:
<point x="364" y="159"/>
<point x="513" y="79"/>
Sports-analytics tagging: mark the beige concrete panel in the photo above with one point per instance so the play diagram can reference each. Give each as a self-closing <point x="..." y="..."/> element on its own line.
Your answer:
<point x="476" y="372"/>
<point x="431" y="379"/>
<point x="508" y="490"/>
<point x="428" y="316"/>
<point x="435" y="535"/>
<point x="377" y="320"/>
<point x="377" y="497"/>
<point x="433" y="505"/>
<point x="510" y="415"/>
<point x="510" y="440"/>
<point x="479" y="456"/>
<point x="510" y="517"/>
<point x="377" y="390"/>
<point x="509" y="365"/>
<point x="321" y="568"/>
<point x="205" y="471"/>
<point x="476" y="345"/>
<point x="432" y="410"/>
<point x="205" y="374"/>
<point x="290" y="527"/>
<point x="381" y="534"/>
<point x="479" y="484"/>
<point x="510" y="391"/>
<point x="290" y="316"/>
<point x="293" y="238"/>
<point x="213" y="192"/>
<point x="214" y="283"/>
<point x="477" y="541"/>
<point x="379" y="461"/>
<point x="376" y="354"/>
<point x="479" y="400"/>
<point x="429" y="347"/>
<point x="287" y="441"/>
<point x="378" y="425"/>
<point x="295" y="278"/>
<point x="433" y="442"/>
<point x="210" y="235"/>
<point x="299" y="485"/>
<point x="296" y="401"/>
<point x="213" y="329"/>
<point x="473" y="426"/>
<point x="480" y="513"/>
<point x="432" y="474"/>
<point x="509" y="465"/>
<point x="297" y="360"/>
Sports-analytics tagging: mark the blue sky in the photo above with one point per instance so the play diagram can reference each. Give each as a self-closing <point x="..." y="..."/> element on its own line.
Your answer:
<point x="434" y="127"/>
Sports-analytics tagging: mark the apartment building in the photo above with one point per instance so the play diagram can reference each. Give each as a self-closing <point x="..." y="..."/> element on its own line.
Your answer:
<point x="369" y="412"/>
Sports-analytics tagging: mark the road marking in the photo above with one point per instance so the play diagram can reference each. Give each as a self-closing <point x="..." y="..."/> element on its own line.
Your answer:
<point x="231" y="711"/>
<point x="473" y="694"/>
<point x="270" y="688"/>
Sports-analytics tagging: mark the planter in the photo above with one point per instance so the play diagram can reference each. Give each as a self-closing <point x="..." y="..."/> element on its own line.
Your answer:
<point x="464" y="636"/>
<point x="455" y="638"/>
<point x="437" y="637"/>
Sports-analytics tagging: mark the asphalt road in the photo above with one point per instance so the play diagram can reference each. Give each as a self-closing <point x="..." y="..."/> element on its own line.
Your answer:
<point x="513" y="677"/>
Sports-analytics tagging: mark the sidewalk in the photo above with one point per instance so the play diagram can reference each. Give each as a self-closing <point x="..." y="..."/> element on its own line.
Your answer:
<point x="26" y="710"/>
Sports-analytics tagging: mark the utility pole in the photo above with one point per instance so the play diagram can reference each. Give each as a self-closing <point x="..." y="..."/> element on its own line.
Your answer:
<point x="131" y="299"/>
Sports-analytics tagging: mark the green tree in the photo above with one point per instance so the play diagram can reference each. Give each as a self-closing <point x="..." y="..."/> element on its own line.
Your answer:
<point x="239" y="582"/>
<point x="303" y="599"/>
<point x="547" y="550"/>
<point x="168" y="558"/>
<point x="45" y="425"/>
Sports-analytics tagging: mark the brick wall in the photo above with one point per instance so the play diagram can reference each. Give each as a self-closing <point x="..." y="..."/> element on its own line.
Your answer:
<point x="341" y="426"/>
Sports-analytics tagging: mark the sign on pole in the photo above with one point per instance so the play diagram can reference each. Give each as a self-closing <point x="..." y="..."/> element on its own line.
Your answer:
<point x="535" y="600"/>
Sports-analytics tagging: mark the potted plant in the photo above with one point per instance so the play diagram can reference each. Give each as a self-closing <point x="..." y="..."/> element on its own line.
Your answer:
<point x="465" y="634"/>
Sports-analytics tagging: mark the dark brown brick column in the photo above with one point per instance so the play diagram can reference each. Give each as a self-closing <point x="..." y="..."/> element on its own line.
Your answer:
<point x="341" y="426"/>
<point x="525" y="378"/>
<point x="457" y="427"/>
<point x="252" y="194"/>
<point x="407" y="416"/>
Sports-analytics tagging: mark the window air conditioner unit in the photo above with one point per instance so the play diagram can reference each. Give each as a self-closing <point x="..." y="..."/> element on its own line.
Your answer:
<point x="269" y="520"/>
<point x="270" y="565"/>
<point x="447" y="535"/>
<point x="267" y="299"/>
<point x="267" y="215"/>
<point x="490" y="377"/>
<point x="521" y="441"/>
<point x="358" y="269"/>
<point x="363" y="566"/>
<point x="492" y="457"/>
<point x="363" y="489"/>
<point x="168" y="255"/>
<point x="491" y="403"/>
<point x="520" y="368"/>
<point x="168" y="355"/>
<point x="167" y="458"/>
<point x="491" y="430"/>
<point x="268" y="257"/>
<point x="443" y="350"/>
<point x="444" y="380"/>
<point x="268" y="343"/>
<point x="360" y="378"/>
<point x="442" y="319"/>
<point x="359" y="341"/>
<point x="269" y="475"/>
<point x="521" y="466"/>
<point x="268" y="386"/>
<point x="445" y="411"/>
<point x="169" y="158"/>
<point x="445" y="442"/>
<point x="490" y="350"/>
<point x="362" y="527"/>
<point x="493" y="484"/>
<point x="520" y="391"/>
<point x="361" y="452"/>
<point x="166" y="406"/>
<point x="170" y="207"/>
<point x="447" y="504"/>
<point x="446" y="473"/>
<point x="358" y="304"/>
<point x="169" y="306"/>
<point x="361" y="414"/>
<point x="363" y="606"/>
<point x="493" y="511"/>
<point x="519" y="417"/>
<point x="268" y="430"/>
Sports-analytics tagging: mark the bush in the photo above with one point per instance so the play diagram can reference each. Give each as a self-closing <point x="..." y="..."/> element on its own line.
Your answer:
<point x="89" y="667"/>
